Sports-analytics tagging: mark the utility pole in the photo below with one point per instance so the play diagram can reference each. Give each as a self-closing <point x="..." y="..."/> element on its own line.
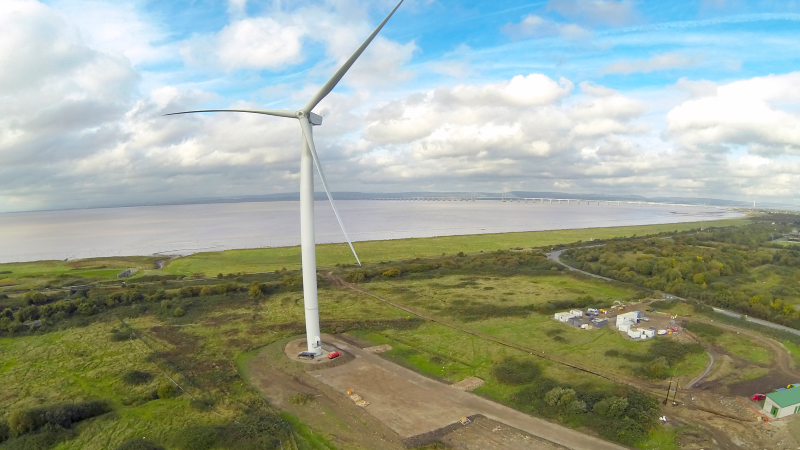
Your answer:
<point x="668" y="389"/>
<point x="675" y="396"/>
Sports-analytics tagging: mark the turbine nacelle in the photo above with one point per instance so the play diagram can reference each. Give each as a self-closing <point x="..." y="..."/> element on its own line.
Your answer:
<point x="313" y="119"/>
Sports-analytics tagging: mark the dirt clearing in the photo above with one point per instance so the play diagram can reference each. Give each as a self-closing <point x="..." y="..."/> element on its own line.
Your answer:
<point x="488" y="434"/>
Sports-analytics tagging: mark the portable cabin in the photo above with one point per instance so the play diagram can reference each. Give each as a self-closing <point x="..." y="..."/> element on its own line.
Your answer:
<point x="783" y="403"/>
<point x="575" y="322"/>
<point x="634" y="334"/>
<point x="649" y="333"/>
<point x="563" y="316"/>
<point x="576" y="313"/>
<point x="625" y="327"/>
<point x="629" y="318"/>
<point x="599" y="323"/>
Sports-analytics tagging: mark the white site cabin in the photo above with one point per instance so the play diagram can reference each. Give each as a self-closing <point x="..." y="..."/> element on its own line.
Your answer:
<point x="782" y="403"/>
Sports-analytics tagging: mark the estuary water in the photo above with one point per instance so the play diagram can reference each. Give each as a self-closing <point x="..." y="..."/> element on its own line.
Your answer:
<point x="187" y="229"/>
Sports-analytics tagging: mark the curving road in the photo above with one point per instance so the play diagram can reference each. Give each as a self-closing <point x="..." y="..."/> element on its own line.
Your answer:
<point x="556" y="257"/>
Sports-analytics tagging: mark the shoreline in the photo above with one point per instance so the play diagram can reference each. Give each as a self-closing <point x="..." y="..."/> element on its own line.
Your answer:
<point x="263" y="259"/>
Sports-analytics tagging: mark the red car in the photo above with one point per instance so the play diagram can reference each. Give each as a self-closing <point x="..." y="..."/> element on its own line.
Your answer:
<point x="332" y="355"/>
<point x="757" y="397"/>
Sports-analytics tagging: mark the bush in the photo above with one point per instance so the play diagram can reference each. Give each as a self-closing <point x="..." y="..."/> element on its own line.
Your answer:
<point x="564" y="400"/>
<point x="178" y="312"/>
<point x="656" y="369"/>
<point x="169" y="390"/>
<point x="301" y="398"/>
<point x="355" y="277"/>
<point x="47" y="437"/>
<point x="392" y="272"/>
<point x="703" y="329"/>
<point x="5" y="432"/>
<point x="515" y="372"/>
<point x="198" y="438"/>
<point x="25" y="421"/>
<point x="139" y="444"/>
<point x="137" y="377"/>
<point x="121" y="335"/>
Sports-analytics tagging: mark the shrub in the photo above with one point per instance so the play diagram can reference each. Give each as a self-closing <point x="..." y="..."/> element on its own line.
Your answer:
<point x="47" y="437"/>
<point x="121" y="335"/>
<point x="301" y="398"/>
<point x="392" y="272"/>
<point x="200" y="404"/>
<point x="137" y="377"/>
<point x="5" y="432"/>
<point x="564" y="400"/>
<point x="198" y="438"/>
<point x="178" y="312"/>
<point x="355" y="277"/>
<point x="169" y="390"/>
<point x="656" y="369"/>
<point x="206" y="291"/>
<point x="703" y="329"/>
<point x="25" y="421"/>
<point x="516" y="372"/>
<point x="139" y="444"/>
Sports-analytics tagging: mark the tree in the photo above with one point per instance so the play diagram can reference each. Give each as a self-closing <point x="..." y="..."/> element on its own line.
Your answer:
<point x="564" y="400"/>
<point x="656" y="369"/>
<point x="610" y="407"/>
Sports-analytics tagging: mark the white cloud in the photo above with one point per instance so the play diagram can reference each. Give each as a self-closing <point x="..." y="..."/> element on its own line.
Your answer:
<point x="536" y="26"/>
<point x="530" y="90"/>
<point x="260" y="43"/>
<point x="250" y="43"/>
<point x="237" y="8"/>
<point x="117" y="27"/>
<point x="664" y="61"/>
<point x="78" y="127"/>
<point x="759" y="114"/>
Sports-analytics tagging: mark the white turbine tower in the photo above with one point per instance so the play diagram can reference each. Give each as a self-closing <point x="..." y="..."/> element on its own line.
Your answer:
<point x="308" y="156"/>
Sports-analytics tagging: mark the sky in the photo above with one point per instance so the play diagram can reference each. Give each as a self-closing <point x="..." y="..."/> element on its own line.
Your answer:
<point x="682" y="98"/>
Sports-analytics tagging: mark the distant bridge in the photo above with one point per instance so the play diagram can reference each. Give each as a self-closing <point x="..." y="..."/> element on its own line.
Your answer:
<point x="546" y="200"/>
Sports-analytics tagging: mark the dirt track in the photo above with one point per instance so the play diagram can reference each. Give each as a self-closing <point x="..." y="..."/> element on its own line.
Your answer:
<point x="411" y="404"/>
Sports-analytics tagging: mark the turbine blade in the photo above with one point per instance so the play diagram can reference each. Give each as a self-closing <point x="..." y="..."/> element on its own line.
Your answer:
<point x="268" y="112"/>
<point x="306" y="127"/>
<point x="330" y="84"/>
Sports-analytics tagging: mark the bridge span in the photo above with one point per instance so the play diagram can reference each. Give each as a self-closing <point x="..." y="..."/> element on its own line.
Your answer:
<point x="540" y="200"/>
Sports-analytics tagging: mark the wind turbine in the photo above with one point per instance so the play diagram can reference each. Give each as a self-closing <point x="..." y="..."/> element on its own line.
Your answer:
<point x="308" y="155"/>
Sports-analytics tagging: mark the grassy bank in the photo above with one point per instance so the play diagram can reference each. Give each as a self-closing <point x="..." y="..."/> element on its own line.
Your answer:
<point x="24" y="275"/>
<point x="269" y="259"/>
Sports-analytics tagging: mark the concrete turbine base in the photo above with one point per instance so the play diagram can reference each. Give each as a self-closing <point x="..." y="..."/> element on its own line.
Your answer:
<point x="295" y="346"/>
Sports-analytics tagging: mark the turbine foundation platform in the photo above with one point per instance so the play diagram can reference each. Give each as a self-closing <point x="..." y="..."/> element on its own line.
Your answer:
<point x="295" y="346"/>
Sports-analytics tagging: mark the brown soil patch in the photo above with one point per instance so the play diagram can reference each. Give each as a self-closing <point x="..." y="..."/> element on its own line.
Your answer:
<point x="762" y="385"/>
<point x="331" y="413"/>
<point x="230" y="332"/>
<point x="487" y="434"/>
<point x="378" y="348"/>
<point x="174" y="336"/>
<point x="468" y="384"/>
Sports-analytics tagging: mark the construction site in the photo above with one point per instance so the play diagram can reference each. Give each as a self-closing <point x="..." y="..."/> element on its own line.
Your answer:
<point x="404" y="409"/>
<point x="634" y="324"/>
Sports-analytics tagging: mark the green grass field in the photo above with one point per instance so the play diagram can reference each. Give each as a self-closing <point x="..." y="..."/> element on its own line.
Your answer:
<point x="495" y="306"/>
<point x="201" y="349"/>
<point x="82" y="364"/>
<point x="744" y="347"/>
<point x="269" y="259"/>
